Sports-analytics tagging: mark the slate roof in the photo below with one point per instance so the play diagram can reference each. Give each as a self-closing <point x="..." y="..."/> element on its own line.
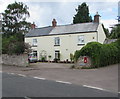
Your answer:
<point x="39" y="31"/>
<point x="64" y="29"/>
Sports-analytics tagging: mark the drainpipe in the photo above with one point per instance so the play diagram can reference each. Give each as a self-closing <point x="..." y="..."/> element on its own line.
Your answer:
<point x="97" y="36"/>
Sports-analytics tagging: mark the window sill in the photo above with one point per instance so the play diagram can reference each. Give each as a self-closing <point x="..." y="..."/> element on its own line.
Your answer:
<point x="80" y="44"/>
<point x="34" y="45"/>
<point x="56" y="45"/>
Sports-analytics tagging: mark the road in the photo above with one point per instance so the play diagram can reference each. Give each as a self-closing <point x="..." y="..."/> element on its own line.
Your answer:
<point x="105" y="77"/>
<point x="24" y="86"/>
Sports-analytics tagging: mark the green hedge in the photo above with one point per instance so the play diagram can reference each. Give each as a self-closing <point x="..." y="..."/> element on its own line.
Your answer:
<point x="101" y="54"/>
<point x="12" y="45"/>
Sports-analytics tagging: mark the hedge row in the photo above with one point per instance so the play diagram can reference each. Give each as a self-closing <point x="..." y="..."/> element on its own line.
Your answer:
<point x="101" y="54"/>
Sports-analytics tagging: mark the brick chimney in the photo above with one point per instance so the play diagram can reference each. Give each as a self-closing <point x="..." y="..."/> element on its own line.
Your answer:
<point x="33" y="26"/>
<point x="96" y="18"/>
<point x="54" y="23"/>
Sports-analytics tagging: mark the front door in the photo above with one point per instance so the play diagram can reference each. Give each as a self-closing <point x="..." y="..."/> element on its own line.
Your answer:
<point x="57" y="55"/>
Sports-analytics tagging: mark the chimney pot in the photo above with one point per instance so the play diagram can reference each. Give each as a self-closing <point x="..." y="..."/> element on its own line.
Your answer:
<point x="33" y="25"/>
<point x="96" y="17"/>
<point x="54" y="23"/>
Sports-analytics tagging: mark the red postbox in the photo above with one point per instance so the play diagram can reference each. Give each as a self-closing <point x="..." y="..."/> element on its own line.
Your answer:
<point x="85" y="59"/>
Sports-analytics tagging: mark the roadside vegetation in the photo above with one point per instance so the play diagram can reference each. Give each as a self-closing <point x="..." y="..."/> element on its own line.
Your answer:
<point x="101" y="54"/>
<point x="14" y="26"/>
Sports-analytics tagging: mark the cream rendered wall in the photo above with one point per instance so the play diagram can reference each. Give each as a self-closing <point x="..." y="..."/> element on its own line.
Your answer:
<point x="30" y="40"/>
<point x="101" y="34"/>
<point x="68" y="44"/>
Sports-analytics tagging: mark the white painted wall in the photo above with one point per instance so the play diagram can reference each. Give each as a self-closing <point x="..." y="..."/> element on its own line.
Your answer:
<point x="68" y="44"/>
<point x="101" y="34"/>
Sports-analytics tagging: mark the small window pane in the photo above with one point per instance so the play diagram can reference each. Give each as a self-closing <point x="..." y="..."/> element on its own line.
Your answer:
<point x="57" y="41"/>
<point x="34" y="41"/>
<point x="81" y="39"/>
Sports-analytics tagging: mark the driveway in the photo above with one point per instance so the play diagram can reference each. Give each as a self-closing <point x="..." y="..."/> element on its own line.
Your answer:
<point x="102" y="78"/>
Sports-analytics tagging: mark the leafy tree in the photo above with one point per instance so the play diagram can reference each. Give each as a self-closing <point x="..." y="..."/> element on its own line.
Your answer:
<point x="14" y="27"/>
<point x="14" y="18"/>
<point x="115" y="32"/>
<point x="82" y="15"/>
<point x="106" y="31"/>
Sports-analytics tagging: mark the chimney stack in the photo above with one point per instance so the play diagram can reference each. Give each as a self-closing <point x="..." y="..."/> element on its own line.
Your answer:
<point x="54" y="23"/>
<point x="33" y="26"/>
<point x="96" y="18"/>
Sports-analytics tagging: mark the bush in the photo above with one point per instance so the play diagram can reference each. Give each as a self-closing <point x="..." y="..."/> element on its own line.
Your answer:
<point x="92" y="50"/>
<point x="12" y="45"/>
<point x="101" y="54"/>
<point x="43" y="59"/>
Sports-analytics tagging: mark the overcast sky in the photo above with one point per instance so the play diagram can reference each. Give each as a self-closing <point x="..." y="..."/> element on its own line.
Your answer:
<point x="43" y="11"/>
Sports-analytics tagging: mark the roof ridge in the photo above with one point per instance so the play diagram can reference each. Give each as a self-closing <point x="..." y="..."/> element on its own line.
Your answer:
<point x="65" y="25"/>
<point x="75" y="24"/>
<point x="43" y="27"/>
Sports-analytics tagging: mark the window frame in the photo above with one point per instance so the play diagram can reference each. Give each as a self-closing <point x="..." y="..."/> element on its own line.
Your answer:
<point x="81" y="40"/>
<point x="34" y="42"/>
<point x="57" y="54"/>
<point x="57" y="41"/>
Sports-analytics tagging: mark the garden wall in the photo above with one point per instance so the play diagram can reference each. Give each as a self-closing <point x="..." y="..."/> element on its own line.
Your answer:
<point x="15" y="60"/>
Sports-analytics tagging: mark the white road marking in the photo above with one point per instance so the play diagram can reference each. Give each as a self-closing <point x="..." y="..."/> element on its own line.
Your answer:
<point x="8" y="73"/>
<point x="39" y="78"/>
<point x="21" y="75"/>
<point x="26" y="97"/>
<point x="63" y="82"/>
<point x="118" y="92"/>
<point x="94" y="87"/>
<point x="12" y="73"/>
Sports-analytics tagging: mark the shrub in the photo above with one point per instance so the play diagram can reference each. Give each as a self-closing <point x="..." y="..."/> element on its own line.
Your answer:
<point x="92" y="50"/>
<point x="101" y="54"/>
<point x="71" y="57"/>
<point x="43" y="59"/>
<point x="12" y="45"/>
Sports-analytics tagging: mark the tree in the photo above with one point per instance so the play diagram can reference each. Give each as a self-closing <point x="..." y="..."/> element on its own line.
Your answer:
<point x="106" y="31"/>
<point x="82" y="15"/>
<point x="115" y="32"/>
<point x="14" y="27"/>
<point x="14" y="18"/>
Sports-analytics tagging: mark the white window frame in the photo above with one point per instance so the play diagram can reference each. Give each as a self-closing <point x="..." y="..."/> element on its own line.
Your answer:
<point x="81" y="40"/>
<point x="34" y="43"/>
<point x="57" y="41"/>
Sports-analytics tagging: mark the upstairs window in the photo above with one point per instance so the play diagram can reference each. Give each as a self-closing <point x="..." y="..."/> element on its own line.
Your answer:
<point x="57" y="41"/>
<point x="34" y="42"/>
<point x="81" y="40"/>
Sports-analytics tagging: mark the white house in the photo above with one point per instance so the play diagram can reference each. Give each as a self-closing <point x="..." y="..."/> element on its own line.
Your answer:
<point x="59" y="41"/>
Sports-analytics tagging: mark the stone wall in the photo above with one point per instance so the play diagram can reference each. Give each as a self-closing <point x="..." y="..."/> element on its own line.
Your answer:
<point x="81" y="63"/>
<point x="15" y="60"/>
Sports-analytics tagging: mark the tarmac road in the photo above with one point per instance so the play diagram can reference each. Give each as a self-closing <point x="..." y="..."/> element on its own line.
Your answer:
<point x="106" y="77"/>
<point x="14" y="85"/>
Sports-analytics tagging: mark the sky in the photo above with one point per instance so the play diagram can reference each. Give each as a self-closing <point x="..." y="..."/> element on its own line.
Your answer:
<point x="42" y="12"/>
